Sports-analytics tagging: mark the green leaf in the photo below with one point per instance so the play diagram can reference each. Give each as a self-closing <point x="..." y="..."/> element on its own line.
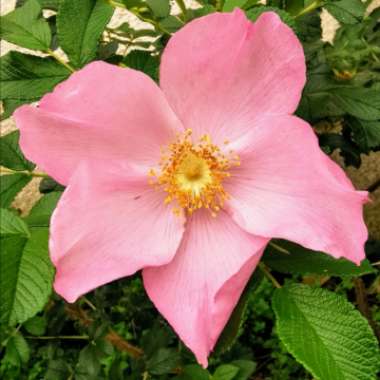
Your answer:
<point x="365" y="133"/>
<point x="160" y="8"/>
<point x="35" y="326"/>
<point x="25" y="27"/>
<point x="193" y="372"/>
<point x="40" y="214"/>
<point x="9" y="106"/>
<point x="17" y="350"/>
<point x="246" y="369"/>
<point x="28" y="77"/>
<point x="346" y="11"/>
<point x="325" y="333"/>
<point x="363" y="103"/>
<point x="225" y="372"/>
<point x="171" y="24"/>
<point x="11" y="185"/>
<point x="230" y="5"/>
<point x="163" y="361"/>
<point x="10" y="153"/>
<point x="88" y="364"/>
<point x="231" y="330"/>
<point x="79" y="26"/>
<point x="294" y="7"/>
<point x="287" y="257"/>
<point x="143" y="61"/>
<point x="26" y="275"/>
<point x="11" y="224"/>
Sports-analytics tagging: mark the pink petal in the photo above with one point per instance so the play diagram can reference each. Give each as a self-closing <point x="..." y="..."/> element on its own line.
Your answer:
<point x="288" y="188"/>
<point x="108" y="227"/>
<point x="101" y="112"/>
<point x="221" y="72"/>
<point x="199" y="289"/>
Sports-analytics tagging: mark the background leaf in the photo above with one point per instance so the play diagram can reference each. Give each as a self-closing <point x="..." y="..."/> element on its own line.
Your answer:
<point x="346" y="11"/>
<point x="325" y="333"/>
<point x="11" y="185"/>
<point x="80" y="25"/>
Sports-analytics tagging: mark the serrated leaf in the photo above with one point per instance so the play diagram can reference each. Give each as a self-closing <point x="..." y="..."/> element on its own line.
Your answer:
<point x="143" y="61"/>
<point x="26" y="276"/>
<point x="17" y="350"/>
<point x="160" y="8"/>
<point x="230" y="5"/>
<point x="11" y="224"/>
<point x="11" y="185"/>
<point x="40" y="214"/>
<point x="324" y="332"/>
<point x="79" y="27"/>
<point x="225" y="372"/>
<point x="363" y="103"/>
<point x="25" y="27"/>
<point x="287" y="257"/>
<point x="346" y="11"/>
<point x="10" y="153"/>
<point x="163" y="361"/>
<point x="29" y="77"/>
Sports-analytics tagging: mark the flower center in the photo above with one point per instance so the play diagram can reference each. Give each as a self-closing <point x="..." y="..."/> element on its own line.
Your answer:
<point x="192" y="174"/>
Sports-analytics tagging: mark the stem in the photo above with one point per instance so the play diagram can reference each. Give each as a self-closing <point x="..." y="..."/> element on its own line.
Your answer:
<point x="122" y="345"/>
<point x="269" y="275"/>
<point x="61" y="61"/>
<point x="116" y="4"/>
<point x="279" y="248"/>
<point x="182" y="7"/>
<point x="73" y="337"/>
<point x="89" y="303"/>
<point x="316" y="4"/>
<point x="32" y="174"/>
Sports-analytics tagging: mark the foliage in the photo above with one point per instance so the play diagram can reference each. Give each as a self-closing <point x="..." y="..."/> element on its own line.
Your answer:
<point x="116" y="333"/>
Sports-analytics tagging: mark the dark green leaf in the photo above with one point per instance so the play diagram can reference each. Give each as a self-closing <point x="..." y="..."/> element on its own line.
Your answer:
<point x="28" y="77"/>
<point x="346" y="11"/>
<point x="171" y="24"/>
<point x="35" y="326"/>
<point x="294" y="7"/>
<point x="287" y="257"/>
<point x="40" y="214"/>
<point x="25" y="27"/>
<point x="80" y="25"/>
<point x="57" y="370"/>
<point x="193" y="372"/>
<point x="143" y="61"/>
<point x="88" y="364"/>
<point x="325" y="333"/>
<point x="160" y="8"/>
<point x="10" y="105"/>
<point x="163" y="361"/>
<point x="246" y="369"/>
<point x="48" y="185"/>
<point x="10" y="186"/>
<point x="10" y="153"/>
<point x="365" y="133"/>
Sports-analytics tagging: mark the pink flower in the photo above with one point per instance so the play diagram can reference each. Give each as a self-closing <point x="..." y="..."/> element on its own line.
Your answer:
<point x="190" y="181"/>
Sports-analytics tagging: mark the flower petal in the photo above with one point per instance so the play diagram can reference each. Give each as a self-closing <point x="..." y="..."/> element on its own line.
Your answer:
<point x="199" y="289"/>
<point x="107" y="227"/>
<point x="220" y="72"/>
<point x="101" y="112"/>
<point x="286" y="187"/>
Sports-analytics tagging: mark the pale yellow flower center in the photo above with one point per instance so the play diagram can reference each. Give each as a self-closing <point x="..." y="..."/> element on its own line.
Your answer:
<point x="192" y="174"/>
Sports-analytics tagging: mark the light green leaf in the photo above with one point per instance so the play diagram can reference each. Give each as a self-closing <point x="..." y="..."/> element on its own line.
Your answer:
<point x="225" y="372"/>
<point x="346" y="11"/>
<point x="10" y="153"/>
<point x="28" y="77"/>
<point x="11" y="185"/>
<point x="230" y="5"/>
<point x="324" y="332"/>
<point x="79" y="27"/>
<point x="160" y="8"/>
<point x="26" y="276"/>
<point x="11" y="224"/>
<point x="25" y="27"/>
<point x="363" y="103"/>
<point x="287" y="257"/>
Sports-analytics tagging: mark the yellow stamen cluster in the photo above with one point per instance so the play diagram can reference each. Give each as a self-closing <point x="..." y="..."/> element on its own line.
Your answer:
<point x="192" y="174"/>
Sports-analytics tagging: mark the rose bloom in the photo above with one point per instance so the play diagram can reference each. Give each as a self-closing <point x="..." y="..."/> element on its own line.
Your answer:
<point x="190" y="180"/>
